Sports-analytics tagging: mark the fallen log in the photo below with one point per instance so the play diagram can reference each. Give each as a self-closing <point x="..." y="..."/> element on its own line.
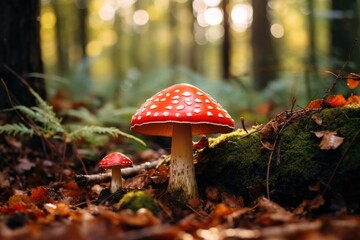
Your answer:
<point x="289" y="162"/>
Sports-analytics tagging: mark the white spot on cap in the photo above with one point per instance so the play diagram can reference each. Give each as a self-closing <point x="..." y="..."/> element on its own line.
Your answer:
<point x="165" y="114"/>
<point x="196" y="110"/>
<point x="156" y="114"/>
<point x="207" y="101"/>
<point x="199" y="93"/>
<point x="153" y="106"/>
<point x="168" y="107"/>
<point x="148" y="113"/>
<point x="163" y="100"/>
<point x="177" y="90"/>
<point x="160" y="94"/>
<point x="177" y="114"/>
<point x="139" y="117"/>
<point x="186" y="94"/>
<point x="175" y="101"/>
<point x="189" y="103"/>
<point x="220" y="115"/>
<point x="209" y="114"/>
<point x="142" y="110"/>
<point x="167" y="94"/>
<point x="156" y="100"/>
<point x="188" y="114"/>
<point x="210" y="107"/>
<point x="180" y="107"/>
<point x="176" y="97"/>
<point x="198" y="100"/>
<point x="197" y="105"/>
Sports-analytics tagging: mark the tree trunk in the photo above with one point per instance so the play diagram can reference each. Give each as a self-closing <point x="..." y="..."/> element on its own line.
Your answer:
<point x="20" y="52"/>
<point x="344" y="31"/>
<point x="264" y="58"/>
<point x="226" y="57"/>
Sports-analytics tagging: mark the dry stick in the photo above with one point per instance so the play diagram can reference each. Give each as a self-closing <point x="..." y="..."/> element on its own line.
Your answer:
<point x="340" y="161"/>
<point x="83" y="180"/>
<point x="326" y="94"/>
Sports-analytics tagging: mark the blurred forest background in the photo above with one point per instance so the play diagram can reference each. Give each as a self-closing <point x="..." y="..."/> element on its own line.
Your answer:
<point x="252" y="56"/>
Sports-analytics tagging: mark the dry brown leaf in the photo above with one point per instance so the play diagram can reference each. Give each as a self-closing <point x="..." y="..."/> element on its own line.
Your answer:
<point x="317" y="119"/>
<point x="329" y="139"/>
<point x="141" y="218"/>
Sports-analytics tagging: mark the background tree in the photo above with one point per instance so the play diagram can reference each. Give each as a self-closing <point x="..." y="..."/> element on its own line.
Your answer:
<point x="20" y="52"/>
<point x="263" y="53"/>
<point x="343" y="31"/>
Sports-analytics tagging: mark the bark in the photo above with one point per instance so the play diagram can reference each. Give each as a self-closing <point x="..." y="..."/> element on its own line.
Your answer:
<point x="20" y="52"/>
<point x="263" y="52"/>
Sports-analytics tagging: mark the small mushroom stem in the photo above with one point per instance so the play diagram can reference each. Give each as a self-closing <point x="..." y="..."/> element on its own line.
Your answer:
<point x="116" y="180"/>
<point x="182" y="173"/>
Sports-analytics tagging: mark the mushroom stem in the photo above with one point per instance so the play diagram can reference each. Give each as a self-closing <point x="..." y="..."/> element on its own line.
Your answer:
<point x="182" y="173"/>
<point x="116" y="180"/>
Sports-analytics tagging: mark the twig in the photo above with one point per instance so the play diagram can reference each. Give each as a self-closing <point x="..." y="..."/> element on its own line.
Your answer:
<point x="83" y="179"/>
<point x="326" y="94"/>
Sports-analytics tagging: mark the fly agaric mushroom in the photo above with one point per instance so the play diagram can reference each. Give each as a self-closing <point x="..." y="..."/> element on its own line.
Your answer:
<point x="115" y="161"/>
<point x="180" y="112"/>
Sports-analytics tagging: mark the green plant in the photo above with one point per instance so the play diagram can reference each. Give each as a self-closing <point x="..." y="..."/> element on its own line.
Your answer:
<point x="42" y="121"/>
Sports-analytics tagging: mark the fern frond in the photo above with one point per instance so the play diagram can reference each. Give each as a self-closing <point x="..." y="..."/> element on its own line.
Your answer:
<point x="43" y="104"/>
<point x="83" y="114"/>
<point x="89" y="131"/>
<point x="16" y="129"/>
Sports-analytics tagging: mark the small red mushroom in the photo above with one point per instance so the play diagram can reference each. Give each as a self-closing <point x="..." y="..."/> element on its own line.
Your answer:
<point x="115" y="161"/>
<point x="180" y="112"/>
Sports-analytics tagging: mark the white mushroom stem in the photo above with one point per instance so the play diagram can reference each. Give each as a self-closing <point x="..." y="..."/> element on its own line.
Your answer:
<point x="116" y="180"/>
<point x="182" y="173"/>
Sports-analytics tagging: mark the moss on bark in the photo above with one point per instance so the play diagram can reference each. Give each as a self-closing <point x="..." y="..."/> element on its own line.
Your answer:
<point x="236" y="162"/>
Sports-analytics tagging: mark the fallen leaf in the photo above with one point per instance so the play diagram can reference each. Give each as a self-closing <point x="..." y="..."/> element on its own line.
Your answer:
<point x="329" y="139"/>
<point x="353" y="100"/>
<point x="317" y="119"/>
<point x="336" y="101"/>
<point x="351" y="82"/>
<point x="141" y="218"/>
<point x="38" y="194"/>
<point x="315" y="104"/>
<point x="4" y="180"/>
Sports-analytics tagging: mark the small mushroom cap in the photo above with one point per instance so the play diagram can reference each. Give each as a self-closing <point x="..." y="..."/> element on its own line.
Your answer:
<point x="115" y="159"/>
<point x="184" y="104"/>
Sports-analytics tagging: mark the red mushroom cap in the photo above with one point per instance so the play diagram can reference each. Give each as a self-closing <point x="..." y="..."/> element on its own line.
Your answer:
<point x="181" y="103"/>
<point x="115" y="159"/>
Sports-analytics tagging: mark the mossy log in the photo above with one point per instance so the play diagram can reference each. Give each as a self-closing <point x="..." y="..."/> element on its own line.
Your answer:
<point x="237" y="162"/>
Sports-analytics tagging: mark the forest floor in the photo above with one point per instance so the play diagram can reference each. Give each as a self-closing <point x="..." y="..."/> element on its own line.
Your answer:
<point x="40" y="199"/>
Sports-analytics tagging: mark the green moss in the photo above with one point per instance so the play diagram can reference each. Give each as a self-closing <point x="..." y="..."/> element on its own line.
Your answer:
<point x="138" y="199"/>
<point x="236" y="163"/>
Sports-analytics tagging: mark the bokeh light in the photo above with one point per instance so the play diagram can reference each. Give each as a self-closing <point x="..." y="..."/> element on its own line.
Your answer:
<point x="277" y="30"/>
<point x="241" y="17"/>
<point x="141" y="17"/>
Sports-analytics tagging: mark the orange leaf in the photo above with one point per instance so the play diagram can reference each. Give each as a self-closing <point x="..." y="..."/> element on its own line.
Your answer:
<point x="315" y="104"/>
<point x="336" y="101"/>
<point x="353" y="100"/>
<point x="351" y="82"/>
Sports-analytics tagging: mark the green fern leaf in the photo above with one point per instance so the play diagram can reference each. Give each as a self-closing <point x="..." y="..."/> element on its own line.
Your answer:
<point x="16" y="129"/>
<point x="89" y="131"/>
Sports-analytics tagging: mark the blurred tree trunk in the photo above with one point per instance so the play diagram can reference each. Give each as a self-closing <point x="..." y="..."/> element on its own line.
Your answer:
<point x="226" y="57"/>
<point x="343" y="31"/>
<point x="264" y="57"/>
<point x="61" y="44"/>
<point x="311" y="70"/>
<point x="20" y="52"/>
